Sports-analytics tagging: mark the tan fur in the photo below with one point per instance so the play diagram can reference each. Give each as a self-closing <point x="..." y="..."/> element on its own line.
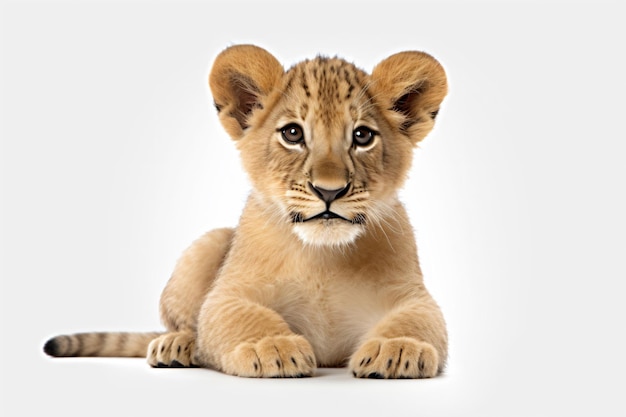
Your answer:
<point x="279" y="295"/>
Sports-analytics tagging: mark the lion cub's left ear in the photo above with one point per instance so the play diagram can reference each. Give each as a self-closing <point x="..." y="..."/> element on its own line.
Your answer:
<point x="241" y="77"/>
<point x="411" y="84"/>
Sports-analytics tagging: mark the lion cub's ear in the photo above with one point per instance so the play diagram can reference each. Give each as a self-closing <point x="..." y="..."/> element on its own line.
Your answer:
<point x="411" y="84"/>
<point x="241" y="77"/>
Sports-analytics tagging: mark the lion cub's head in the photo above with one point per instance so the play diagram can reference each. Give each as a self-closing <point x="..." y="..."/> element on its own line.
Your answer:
<point x="325" y="144"/>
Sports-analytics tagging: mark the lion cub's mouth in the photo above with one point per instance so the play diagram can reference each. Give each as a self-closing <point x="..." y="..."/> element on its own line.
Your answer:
<point x="327" y="215"/>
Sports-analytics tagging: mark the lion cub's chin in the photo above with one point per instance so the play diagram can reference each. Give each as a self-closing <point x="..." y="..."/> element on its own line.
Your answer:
<point x="328" y="233"/>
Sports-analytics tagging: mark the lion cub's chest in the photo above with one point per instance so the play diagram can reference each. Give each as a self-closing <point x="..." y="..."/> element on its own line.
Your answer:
<point x="333" y="311"/>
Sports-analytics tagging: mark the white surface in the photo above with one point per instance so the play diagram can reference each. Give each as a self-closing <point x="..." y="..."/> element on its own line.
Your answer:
<point x="113" y="161"/>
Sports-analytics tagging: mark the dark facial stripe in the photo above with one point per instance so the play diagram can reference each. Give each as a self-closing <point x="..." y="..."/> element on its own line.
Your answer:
<point x="304" y="84"/>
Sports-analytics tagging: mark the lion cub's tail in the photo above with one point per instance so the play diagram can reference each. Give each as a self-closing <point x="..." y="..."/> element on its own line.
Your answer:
<point x="103" y="344"/>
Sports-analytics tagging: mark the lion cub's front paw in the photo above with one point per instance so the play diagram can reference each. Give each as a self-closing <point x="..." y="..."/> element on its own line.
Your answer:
<point x="401" y="357"/>
<point x="273" y="356"/>
<point x="172" y="350"/>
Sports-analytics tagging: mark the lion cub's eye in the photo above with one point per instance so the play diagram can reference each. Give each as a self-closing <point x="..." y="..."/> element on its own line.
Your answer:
<point x="363" y="136"/>
<point x="292" y="134"/>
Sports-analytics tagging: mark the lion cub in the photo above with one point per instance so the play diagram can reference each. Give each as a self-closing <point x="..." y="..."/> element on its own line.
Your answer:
<point x="322" y="269"/>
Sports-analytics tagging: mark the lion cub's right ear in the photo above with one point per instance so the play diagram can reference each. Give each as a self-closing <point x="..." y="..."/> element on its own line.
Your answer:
<point x="241" y="77"/>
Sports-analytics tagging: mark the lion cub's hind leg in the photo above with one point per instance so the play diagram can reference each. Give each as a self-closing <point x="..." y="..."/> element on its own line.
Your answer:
<point x="192" y="278"/>
<point x="172" y="350"/>
<point x="183" y="296"/>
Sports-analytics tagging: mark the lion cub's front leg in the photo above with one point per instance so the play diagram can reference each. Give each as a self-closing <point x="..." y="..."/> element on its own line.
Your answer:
<point x="244" y="338"/>
<point x="271" y="356"/>
<point x="397" y="357"/>
<point x="410" y="342"/>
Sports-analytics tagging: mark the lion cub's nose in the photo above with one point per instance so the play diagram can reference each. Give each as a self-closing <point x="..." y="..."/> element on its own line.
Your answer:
<point x="328" y="196"/>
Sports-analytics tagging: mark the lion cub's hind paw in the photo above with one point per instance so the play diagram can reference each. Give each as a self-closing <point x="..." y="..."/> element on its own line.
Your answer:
<point x="398" y="358"/>
<point x="172" y="350"/>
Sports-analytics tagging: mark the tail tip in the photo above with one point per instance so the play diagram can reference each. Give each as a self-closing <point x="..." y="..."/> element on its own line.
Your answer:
<point x="51" y="347"/>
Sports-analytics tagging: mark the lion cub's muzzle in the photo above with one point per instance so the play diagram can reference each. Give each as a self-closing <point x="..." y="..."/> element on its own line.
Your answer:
<point x="328" y="196"/>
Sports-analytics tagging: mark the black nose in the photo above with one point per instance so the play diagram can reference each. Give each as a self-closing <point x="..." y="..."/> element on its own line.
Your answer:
<point x="328" y="196"/>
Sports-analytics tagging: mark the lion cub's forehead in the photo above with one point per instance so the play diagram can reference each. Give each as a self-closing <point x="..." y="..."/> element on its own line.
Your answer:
<point x="326" y="87"/>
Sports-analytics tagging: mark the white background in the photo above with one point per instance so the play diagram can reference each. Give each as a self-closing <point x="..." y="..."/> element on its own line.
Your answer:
<point x="113" y="162"/>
